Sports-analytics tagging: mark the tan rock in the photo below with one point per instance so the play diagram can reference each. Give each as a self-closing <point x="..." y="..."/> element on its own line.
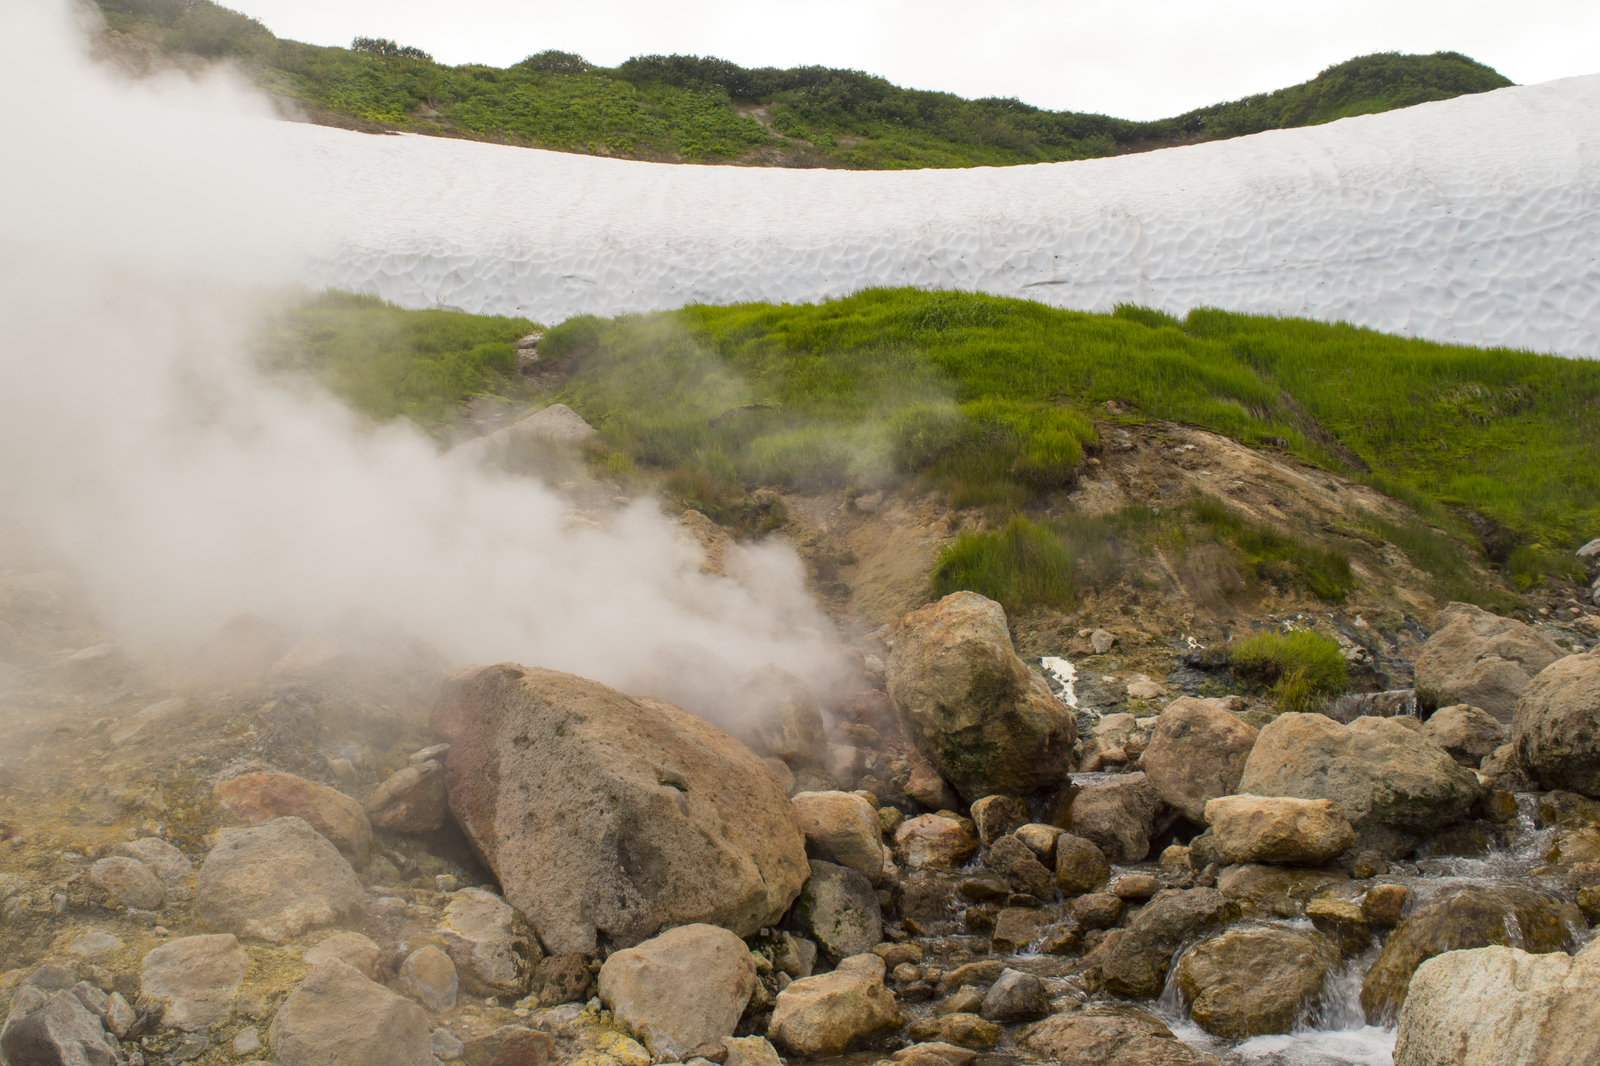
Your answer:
<point x="1556" y="725"/>
<point x="1467" y="733"/>
<point x="931" y="842"/>
<point x="276" y="881"/>
<point x="1278" y="829"/>
<point x="679" y="990"/>
<point x="1482" y="659"/>
<point x="430" y="977"/>
<point x="1252" y="981"/>
<point x="1197" y="753"/>
<point x="194" y="979"/>
<point x="1080" y="865"/>
<point x="1118" y="817"/>
<point x="842" y="828"/>
<point x="259" y="798"/>
<point x="489" y="943"/>
<point x="131" y="882"/>
<point x="338" y="1016"/>
<point x="830" y="1013"/>
<point x="412" y="800"/>
<point x="352" y="949"/>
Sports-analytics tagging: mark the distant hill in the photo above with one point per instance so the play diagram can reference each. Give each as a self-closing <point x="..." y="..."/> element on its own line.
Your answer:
<point x="707" y="110"/>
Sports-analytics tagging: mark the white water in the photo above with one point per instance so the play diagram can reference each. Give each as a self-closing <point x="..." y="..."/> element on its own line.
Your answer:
<point x="1066" y="676"/>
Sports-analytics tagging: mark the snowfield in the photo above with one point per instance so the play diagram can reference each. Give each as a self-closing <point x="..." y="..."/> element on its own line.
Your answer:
<point x="1475" y="220"/>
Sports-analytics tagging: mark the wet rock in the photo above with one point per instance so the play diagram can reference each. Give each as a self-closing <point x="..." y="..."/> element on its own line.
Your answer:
<point x="1030" y="877"/>
<point x="1248" y="982"/>
<point x="750" y="1051"/>
<point x="1380" y="772"/>
<point x="696" y="829"/>
<point x="259" y="798"/>
<point x="412" y="800"/>
<point x="194" y="979"/>
<point x="987" y="722"/>
<point x="1097" y="910"/>
<point x="1482" y="659"/>
<point x="1556" y="727"/>
<point x="1015" y="997"/>
<point x="679" y="990"/>
<point x="1137" y="966"/>
<point x="488" y="942"/>
<point x="1275" y="890"/>
<point x="353" y="950"/>
<point x="1571" y="847"/>
<point x="129" y="880"/>
<point x="559" y="979"/>
<point x="1465" y="732"/>
<point x="1086" y="1039"/>
<point x="1197" y="753"/>
<point x="1135" y="888"/>
<point x="839" y="911"/>
<point x="982" y="886"/>
<point x="170" y="865"/>
<point x="1041" y="839"/>
<point x="1499" y="1005"/>
<point x="1384" y="905"/>
<point x="1502" y="771"/>
<point x="276" y="881"/>
<point x="1278" y="829"/>
<point x="430" y="977"/>
<point x="997" y="816"/>
<point x="1568" y="810"/>
<point x="1017" y="927"/>
<point x="933" y="1053"/>
<point x="516" y="1045"/>
<point x="57" y="1030"/>
<point x="1004" y="851"/>
<point x="1080" y="865"/>
<point x="932" y="842"/>
<point x="830" y="1013"/>
<point x="1342" y="922"/>
<point x="1118" y="817"/>
<point x="338" y="1016"/>
<point x="842" y="828"/>
<point x="1472" y="917"/>
<point x="966" y="1030"/>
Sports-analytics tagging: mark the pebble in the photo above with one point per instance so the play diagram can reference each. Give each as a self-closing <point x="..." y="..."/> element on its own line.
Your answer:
<point x="93" y="944"/>
<point x="445" y="1045"/>
<point x="248" y="1040"/>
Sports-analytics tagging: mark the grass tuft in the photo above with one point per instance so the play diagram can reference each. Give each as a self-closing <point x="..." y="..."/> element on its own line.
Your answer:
<point x="1297" y="666"/>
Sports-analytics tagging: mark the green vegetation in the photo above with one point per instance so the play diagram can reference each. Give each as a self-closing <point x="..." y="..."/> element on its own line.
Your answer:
<point x="994" y="401"/>
<point x="1302" y="668"/>
<point x="704" y="109"/>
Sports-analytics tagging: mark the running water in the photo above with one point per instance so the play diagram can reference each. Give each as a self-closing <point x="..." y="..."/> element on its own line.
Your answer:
<point x="1066" y="676"/>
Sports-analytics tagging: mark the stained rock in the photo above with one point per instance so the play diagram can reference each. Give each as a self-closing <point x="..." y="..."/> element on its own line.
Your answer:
<point x="1482" y="659"/>
<point x="1086" y="1039"/>
<point x="987" y="722"/>
<point x="412" y="800"/>
<point x="1197" y="753"/>
<point x="1137" y="966"/>
<point x="194" y="979"/>
<point x="259" y="798"/>
<point x="996" y="816"/>
<point x="1248" y="982"/>
<point x="489" y="944"/>
<point x="1041" y="839"/>
<point x="1341" y="921"/>
<point x="932" y="842"/>
<point x="275" y="881"/>
<point x="1080" y="865"/>
<point x="430" y="977"/>
<point x="830" y="1013"/>
<point x="1118" y="817"/>
<point x="171" y="867"/>
<point x="559" y="979"/>
<point x="842" y="828"/>
<point x="682" y="989"/>
<point x="1017" y="927"/>
<point x="1278" y="829"/>
<point x="129" y="880"/>
<point x="695" y="830"/>
<point x="1097" y="910"/>
<point x="1472" y="917"/>
<point x="1556" y="725"/>
<point x="516" y="1045"/>
<point x="1384" y="905"/>
<point x="839" y="911"/>
<point x="1381" y="773"/>
<point x="1279" y="891"/>
<point x="338" y="1016"/>
<point x="1499" y="1005"/>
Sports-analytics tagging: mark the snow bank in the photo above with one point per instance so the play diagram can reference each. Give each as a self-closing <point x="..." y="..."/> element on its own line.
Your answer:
<point x="1475" y="220"/>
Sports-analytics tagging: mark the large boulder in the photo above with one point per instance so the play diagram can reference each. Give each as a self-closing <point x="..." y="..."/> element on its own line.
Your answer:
<point x="1137" y="966"/>
<point x="842" y="828"/>
<point x="1381" y="772"/>
<point x="603" y="814"/>
<point x="679" y="990"/>
<point x="1278" y="829"/>
<point x="828" y="1014"/>
<point x="1476" y="916"/>
<point x="1482" y="659"/>
<point x="1117" y="817"/>
<point x="1257" y="980"/>
<point x="986" y="721"/>
<point x="1556" y="727"/>
<point x="194" y="979"/>
<point x="275" y="881"/>
<point x="338" y="1016"/>
<point x="1197" y="752"/>
<point x="1468" y="733"/>
<point x="259" y="798"/>
<point x="1497" y="1006"/>
<point x="839" y="911"/>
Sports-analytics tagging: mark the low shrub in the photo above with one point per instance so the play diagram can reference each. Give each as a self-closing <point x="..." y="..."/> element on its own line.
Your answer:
<point x="1021" y="565"/>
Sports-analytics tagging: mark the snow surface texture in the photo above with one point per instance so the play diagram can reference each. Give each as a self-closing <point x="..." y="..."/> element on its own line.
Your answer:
<point x="1474" y="220"/>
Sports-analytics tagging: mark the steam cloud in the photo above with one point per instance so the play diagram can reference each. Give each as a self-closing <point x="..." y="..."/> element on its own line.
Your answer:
<point x="138" y="440"/>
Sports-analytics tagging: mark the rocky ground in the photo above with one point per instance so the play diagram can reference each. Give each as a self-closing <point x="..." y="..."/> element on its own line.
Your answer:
<point x="313" y="848"/>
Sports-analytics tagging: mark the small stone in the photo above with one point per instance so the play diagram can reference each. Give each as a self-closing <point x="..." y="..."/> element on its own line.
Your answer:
<point x="276" y="881"/>
<point x="1080" y="866"/>
<point x="1015" y="928"/>
<point x="931" y="842"/>
<point x="190" y="1047"/>
<point x="489" y="943"/>
<point x="1384" y="905"/>
<point x="119" y="1016"/>
<point x="93" y="944"/>
<point x="996" y="816"/>
<point x="828" y="1014"/>
<point x="446" y="1047"/>
<point x="1101" y="641"/>
<point x="559" y="979"/>
<point x="262" y="797"/>
<point x="1015" y="997"/>
<point x="1040" y="839"/>
<point x="353" y="949"/>
<point x="248" y="1040"/>
<point x="412" y="800"/>
<point x="968" y="1031"/>
<point x="169" y="864"/>
<point x="430" y="976"/>
<point x="839" y="911"/>
<point x="1341" y="921"/>
<point x="1135" y="887"/>
<point x="129" y="880"/>
<point x="1097" y="910"/>
<point x="435" y="753"/>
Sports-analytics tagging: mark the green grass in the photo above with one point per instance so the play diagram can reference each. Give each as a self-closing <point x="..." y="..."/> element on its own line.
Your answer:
<point x="1301" y="668"/>
<point x="1276" y="557"/>
<point x="697" y="109"/>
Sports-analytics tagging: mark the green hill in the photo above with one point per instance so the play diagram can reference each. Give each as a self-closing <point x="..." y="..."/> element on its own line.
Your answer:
<point x="708" y="110"/>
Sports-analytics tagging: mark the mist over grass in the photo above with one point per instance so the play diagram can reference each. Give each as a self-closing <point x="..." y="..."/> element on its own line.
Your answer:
<point x="993" y="402"/>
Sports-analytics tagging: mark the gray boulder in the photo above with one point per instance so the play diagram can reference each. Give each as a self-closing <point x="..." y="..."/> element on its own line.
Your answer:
<point x="1382" y="773"/>
<point x="275" y="881"/>
<point x="1556" y="727"/>
<point x="1482" y="659"/>
<point x="338" y="1016"/>
<point x="56" y="1030"/>
<point x="643" y="816"/>
<point x="988" y="723"/>
<point x="682" y="989"/>
<point x="839" y="911"/>
<point x="1197" y="752"/>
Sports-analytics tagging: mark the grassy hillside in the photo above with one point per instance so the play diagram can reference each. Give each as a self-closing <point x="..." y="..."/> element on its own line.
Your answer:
<point x="995" y="403"/>
<point x="703" y="109"/>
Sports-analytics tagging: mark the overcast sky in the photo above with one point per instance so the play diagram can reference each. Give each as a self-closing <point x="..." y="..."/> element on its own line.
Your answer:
<point x="1137" y="59"/>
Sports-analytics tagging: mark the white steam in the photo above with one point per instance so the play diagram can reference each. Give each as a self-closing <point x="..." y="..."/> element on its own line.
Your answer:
<point x="185" y="489"/>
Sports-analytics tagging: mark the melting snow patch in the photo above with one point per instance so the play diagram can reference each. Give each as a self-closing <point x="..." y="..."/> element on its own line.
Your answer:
<point x="1066" y="676"/>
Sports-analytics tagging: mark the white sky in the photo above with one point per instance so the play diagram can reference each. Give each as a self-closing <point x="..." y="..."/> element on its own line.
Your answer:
<point x="1138" y="59"/>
